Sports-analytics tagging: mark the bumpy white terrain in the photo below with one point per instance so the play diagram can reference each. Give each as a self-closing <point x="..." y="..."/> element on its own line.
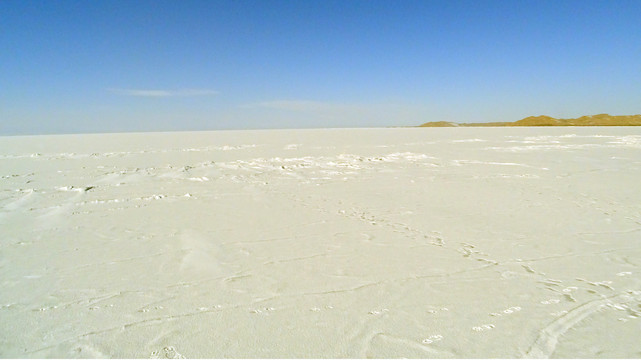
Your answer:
<point x="435" y="242"/>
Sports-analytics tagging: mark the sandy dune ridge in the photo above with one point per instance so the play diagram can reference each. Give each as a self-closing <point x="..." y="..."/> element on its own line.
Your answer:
<point x="543" y="120"/>
<point x="430" y="243"/>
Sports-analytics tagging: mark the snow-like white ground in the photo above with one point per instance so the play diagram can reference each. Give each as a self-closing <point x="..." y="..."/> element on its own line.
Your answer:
<point x="434" y="242"/>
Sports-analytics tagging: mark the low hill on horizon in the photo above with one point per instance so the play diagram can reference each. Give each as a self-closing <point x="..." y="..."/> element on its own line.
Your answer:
<point x="543" y="120"/>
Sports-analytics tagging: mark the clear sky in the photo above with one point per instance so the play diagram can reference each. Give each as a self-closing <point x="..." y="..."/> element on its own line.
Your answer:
<point x="114" y="66"/>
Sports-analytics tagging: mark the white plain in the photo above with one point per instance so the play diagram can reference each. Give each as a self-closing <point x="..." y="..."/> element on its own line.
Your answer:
<point x="425" y="242"/>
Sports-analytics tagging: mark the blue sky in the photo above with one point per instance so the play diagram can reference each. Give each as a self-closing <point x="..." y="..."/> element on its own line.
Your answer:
<point x="115" y="66"/>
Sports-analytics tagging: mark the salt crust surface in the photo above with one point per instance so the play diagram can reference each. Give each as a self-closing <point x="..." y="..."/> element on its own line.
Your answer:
<point x="429" y="243"/>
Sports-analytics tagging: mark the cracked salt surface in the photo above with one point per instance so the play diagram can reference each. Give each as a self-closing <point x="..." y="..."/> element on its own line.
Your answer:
<point x="322" y="243"/>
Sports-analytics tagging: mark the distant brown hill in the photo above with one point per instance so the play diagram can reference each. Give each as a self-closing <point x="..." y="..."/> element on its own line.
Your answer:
<point x="440" y="124"/>
<point x="542" y="120"/>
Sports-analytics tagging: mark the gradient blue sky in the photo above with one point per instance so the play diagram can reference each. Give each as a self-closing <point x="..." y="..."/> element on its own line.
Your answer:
<point x="114" y="66"/>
